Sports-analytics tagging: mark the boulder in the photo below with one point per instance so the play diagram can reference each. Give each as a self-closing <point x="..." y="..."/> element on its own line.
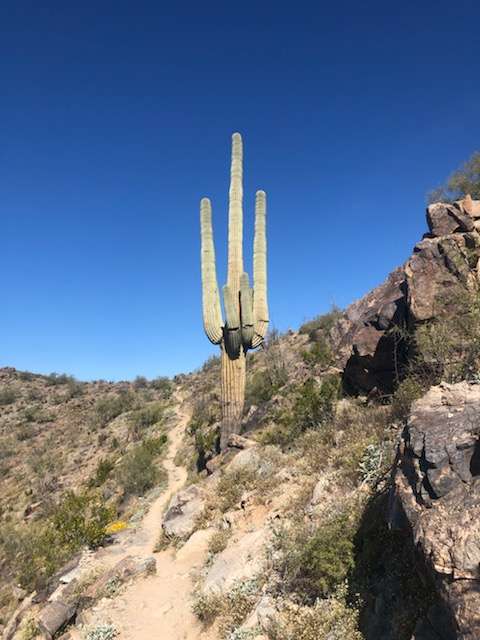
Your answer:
<point x="445" y="219"/>
<point x="125" y="569"/>
<point x="236" y="441"/>
<point x="54" y="616"/>
<point x="471" y="207"/>
<point x="439" y="269"/>
<point x="241" y="560"/>
<point x="181" y="516"/>
<point x="436" y="495"/>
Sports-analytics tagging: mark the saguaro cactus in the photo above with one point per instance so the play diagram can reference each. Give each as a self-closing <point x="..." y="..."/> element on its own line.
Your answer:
<point x="246" y="308"/>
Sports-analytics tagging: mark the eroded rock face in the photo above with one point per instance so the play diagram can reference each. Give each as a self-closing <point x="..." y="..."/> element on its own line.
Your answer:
<point x="443" y="266"/>
<point x="444" y="219"/>
<point x="437" y="494"/>
<point x="440" y="269"/>
<point x="241" y="560"/>
<point x="362" y="336"/>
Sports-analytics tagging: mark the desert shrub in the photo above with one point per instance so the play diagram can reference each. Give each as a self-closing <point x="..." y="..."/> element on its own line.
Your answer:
<point x="231" y="485"/>
<point x="372" y="463"/>
<point x="259" y="389"/>
<point x="35" y="413"/>
<point x="55" y="379"/>
<point x="409" y="390"/>
<point x="313" y="409"/>
<point x="108" y="408"/>
<point x="28" y="629"/>
<point x="324" y="322"/>
<point x="156" y="444"/>
<point x="145" y="417"/>
<point x="137" y="473"/>
<point x="105" y="631"/>
<point x="448" y="347"/>
<point x="314" y="562"/>
<point x="25" y="376"/>
<point x="230" y="608"/>
<point x="210" y="364"/>
<point x="75" y="389"/>
<point x="24" y="432"/>
<point x="36" y="551"/>
<point x="320" y="353"/>
<point x="207" y="607"/>
<point x="8" y="395"/>
<point x="140" y="382"/>
<point x="315" y="403"/>
<point x="80" y="519"/>
<point x="104" y="468"/>
<point x="163" y="385"/>
<point x="465" y="180"/>
<point x="330" y="619"/>
<point x="218" y="541"/>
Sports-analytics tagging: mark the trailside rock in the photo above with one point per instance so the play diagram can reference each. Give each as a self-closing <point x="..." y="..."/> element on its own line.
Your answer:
<point x="125" y="569"/>
<point x="182" y="513"/>
<point x="241" y="560"/>
<point x="54" y="616"/>
<point x="437" y="495"/>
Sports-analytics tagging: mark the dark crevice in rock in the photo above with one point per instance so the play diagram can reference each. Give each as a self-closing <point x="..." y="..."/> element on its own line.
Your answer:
<point x="475" y="460"/>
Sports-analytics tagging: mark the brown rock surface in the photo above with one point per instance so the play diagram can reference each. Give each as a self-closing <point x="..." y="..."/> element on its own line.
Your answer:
<point x="437" y="494"/>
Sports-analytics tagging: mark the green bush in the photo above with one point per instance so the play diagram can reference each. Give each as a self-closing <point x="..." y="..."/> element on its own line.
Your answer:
<point x="324" y="322"/>
<point x="465" y="180"/>
<point x="35" y="551"/>
<point x="7" y="396"/>
<point x="230" y="608"/>
<point x="314" y="563"/>
<point x="108" y="408"/>
<point x="104" y="468"/>
<point x="259" y="389"/>
<point x="313" y="408"/>
<point x="140" y="382"/>
<point x="163" y="385"/>
<point x="137" y="473"/>
<point x="35" y="413"/>
<point x="330" y="619"/>
<point x="320" y="353"/>
<point x="231" y="485"/>
<point x="405" y="394"/>
<point x="55" y="379"/>
<point x="145" y="417"/>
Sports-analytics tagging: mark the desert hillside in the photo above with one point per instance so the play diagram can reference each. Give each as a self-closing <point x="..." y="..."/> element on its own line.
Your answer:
<point x="346" y="509"/>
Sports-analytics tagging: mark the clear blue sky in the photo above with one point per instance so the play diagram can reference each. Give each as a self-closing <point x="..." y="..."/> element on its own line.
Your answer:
<point x="116" y="119"/>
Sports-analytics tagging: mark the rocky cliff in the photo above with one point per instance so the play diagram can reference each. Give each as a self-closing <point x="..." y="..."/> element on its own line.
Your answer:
<point x="443" y="266"/>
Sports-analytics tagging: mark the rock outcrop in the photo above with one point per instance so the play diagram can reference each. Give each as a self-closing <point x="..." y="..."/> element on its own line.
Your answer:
<point x="436" y="494"/>
<point x="443" y="265"/>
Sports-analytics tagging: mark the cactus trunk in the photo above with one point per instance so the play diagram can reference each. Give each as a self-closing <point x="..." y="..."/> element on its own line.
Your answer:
<point x="232" y="395"/>
<point x="246" y="309"/>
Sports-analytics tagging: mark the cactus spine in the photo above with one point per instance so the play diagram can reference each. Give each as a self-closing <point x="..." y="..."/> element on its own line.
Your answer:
<point x="246" y="308"/>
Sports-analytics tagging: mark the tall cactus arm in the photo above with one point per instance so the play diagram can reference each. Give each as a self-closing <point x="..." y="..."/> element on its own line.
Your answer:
<point x="232" y="333"/>
<point x="246" y="311"/>
<point x="260" y="304"/>
<point x="212" y="313"/>
<point x="235" y="214"/>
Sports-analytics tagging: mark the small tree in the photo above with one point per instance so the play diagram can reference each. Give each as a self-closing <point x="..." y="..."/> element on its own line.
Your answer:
<point x="465" y="180"/>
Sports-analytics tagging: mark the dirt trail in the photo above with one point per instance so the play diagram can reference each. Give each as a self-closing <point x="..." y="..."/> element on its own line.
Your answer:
<point x="158" y="606"/>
